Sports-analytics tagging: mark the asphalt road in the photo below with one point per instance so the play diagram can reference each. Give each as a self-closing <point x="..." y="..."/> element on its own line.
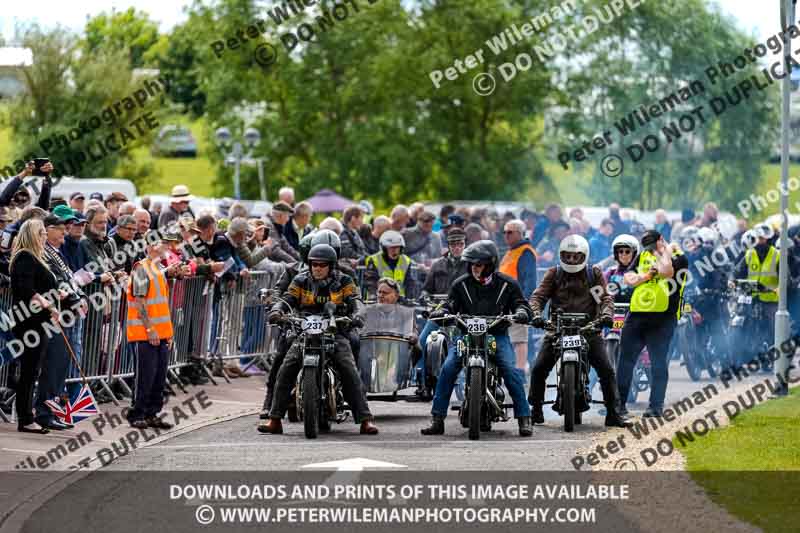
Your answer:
<point x="236" y="445"/>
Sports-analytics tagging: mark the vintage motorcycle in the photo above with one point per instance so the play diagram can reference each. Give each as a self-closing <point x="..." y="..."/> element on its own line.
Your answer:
<point x="484" y="397"/>
<point x="572" y="352"/>
<point x="612" y="337"/>
<point x="747" y="310"/>
<point x="319" y="397"/>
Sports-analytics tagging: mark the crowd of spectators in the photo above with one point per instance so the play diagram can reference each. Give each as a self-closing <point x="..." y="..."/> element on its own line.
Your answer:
<point x="100" y="237"/>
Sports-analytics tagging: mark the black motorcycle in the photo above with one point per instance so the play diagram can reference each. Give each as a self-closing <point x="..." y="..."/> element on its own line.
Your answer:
<point x="747" y="338"/>
<point x="484" y="397"/>
<point x="572" y="351"/>
<point x="319" y="396"/>
<point x="713" y="342"/>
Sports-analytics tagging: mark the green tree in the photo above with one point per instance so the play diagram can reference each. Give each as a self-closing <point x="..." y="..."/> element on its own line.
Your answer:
<point x="642" y="57"/>
<point x="130" y="31"/>
<point x="65" y="88"/>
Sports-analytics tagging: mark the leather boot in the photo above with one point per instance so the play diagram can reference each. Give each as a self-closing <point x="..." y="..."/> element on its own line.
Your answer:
<point x="436" y="427"/>
<point x="525" y="426"/>
<point x="368" y="428"/>
<point x="614" y="420"/>
<point x="536" y="414"/>
<point x="272" y="426"/>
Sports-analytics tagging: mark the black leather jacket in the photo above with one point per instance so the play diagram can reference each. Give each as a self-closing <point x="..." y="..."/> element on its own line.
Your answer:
<point x="309" y="295"/>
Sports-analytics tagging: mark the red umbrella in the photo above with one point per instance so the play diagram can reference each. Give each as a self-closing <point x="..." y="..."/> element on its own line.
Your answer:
<point x="327" y="201"/>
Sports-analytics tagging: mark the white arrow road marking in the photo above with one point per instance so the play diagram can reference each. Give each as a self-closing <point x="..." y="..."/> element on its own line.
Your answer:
<point x="348" y="471"/>
<point x="356" y="464"/>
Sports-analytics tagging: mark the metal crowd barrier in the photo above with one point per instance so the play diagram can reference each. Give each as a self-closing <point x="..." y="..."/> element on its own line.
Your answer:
<point x="242" y="330"/>
<point x="107" y="359"/>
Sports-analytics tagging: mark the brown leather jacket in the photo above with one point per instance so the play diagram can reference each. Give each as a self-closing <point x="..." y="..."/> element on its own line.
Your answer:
<point x="571" y="294"/>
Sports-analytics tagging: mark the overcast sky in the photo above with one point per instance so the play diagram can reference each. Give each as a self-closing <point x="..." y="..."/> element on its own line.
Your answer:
<point x="759" y="18"/>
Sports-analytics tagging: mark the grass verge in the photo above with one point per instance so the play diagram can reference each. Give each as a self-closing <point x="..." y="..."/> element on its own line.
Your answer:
<point x="752" y="467"/>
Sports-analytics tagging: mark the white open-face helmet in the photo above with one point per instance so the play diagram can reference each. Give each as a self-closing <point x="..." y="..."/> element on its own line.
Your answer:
<point x="573" y="253"/>
<point x="763" y="231"/>
<point x="626" y="240"/>
<point x="708" y="236"/>
<point x="391" y="238"/>
<point x="749" y="239"/>
<point x="689" y="235"/>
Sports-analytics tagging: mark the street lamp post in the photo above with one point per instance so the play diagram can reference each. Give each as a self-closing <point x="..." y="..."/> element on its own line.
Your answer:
<point x="782" y="316"/>
<point x="234" y="152"/>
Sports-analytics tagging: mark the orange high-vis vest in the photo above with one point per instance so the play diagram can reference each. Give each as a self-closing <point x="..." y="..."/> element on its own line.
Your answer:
<point x="156" y="304"/>
<point x="510" y="262"/>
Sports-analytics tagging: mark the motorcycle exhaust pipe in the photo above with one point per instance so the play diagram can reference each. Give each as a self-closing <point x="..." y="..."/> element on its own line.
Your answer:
<point x="494" y="404"/>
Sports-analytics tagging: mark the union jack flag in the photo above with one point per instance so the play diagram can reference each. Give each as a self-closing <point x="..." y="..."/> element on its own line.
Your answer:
<point x="82" y="405"/>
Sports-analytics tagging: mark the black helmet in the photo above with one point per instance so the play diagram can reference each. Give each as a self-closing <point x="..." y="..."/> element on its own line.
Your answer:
<point x="322" y="253"/>
<point x="326" y="236"/>
<point x="305" y="246"/>
<point x="482" y="252"/>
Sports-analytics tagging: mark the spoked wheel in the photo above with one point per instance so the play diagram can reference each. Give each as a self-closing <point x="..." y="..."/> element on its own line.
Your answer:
<point x="686" y="349"/>
<point x="311" y="403"/>
<point x="474" y="404"/>
<point x="568" y="397"/>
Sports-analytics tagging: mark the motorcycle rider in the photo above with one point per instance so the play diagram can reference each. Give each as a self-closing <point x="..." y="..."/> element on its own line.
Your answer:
<point x="308" y="292"/>
<point x="571" y="288"/>
<point x="626" y="250"/>
<point x="390" y="262"/>
<point x="485" y="292"/>
<point x="760" y="263"/>
<point x="282" y="345"/>
<point x="709" y="305"/>
<point x="323" y="236"/>
<point x="444" y="272"/>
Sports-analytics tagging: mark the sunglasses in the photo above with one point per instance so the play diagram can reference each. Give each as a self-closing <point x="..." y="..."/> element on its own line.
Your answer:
<point x="624" y="251"/>
<point x="390" y="282"/>
<point x="509" y="232"/>
<point x="317" y="264"/>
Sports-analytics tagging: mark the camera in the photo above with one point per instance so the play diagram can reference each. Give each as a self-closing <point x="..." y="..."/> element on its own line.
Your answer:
<point x="38" y="163"/>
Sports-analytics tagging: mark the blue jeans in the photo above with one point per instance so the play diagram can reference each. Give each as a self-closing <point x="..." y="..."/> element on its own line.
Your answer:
<point x="75" y="338"/>
<point x="505" y="359"/>
<point x="429" y="328"/>
<point x="215" y="318"/>
<point x="254" y="323"/>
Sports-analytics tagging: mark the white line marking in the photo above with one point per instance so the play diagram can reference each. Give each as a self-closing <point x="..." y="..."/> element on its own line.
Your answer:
<point x="26" y="452"/>
<point x="334" y="442"/>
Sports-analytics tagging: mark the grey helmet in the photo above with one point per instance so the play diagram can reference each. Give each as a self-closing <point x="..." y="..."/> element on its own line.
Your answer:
<point x="326" y="236"/>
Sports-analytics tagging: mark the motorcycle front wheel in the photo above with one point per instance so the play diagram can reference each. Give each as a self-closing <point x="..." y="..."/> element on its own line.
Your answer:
<point x="568" y="396"/>
<point x="311" y="406"/>
<point x="475" y="386"/>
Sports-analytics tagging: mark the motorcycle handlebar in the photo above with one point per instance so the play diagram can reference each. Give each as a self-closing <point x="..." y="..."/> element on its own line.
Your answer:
<point x="460" y="319"/>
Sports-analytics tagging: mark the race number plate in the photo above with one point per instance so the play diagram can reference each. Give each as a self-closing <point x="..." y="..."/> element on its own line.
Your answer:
<point x="476" y="326"/>
<point x="745" y="299"/>
<point x="619" y="321"/>
<point x="571" y="341"/>
<point x="315" y="324"/>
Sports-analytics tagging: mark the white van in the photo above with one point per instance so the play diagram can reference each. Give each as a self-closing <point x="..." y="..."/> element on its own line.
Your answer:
<point x="87" y="186"/>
